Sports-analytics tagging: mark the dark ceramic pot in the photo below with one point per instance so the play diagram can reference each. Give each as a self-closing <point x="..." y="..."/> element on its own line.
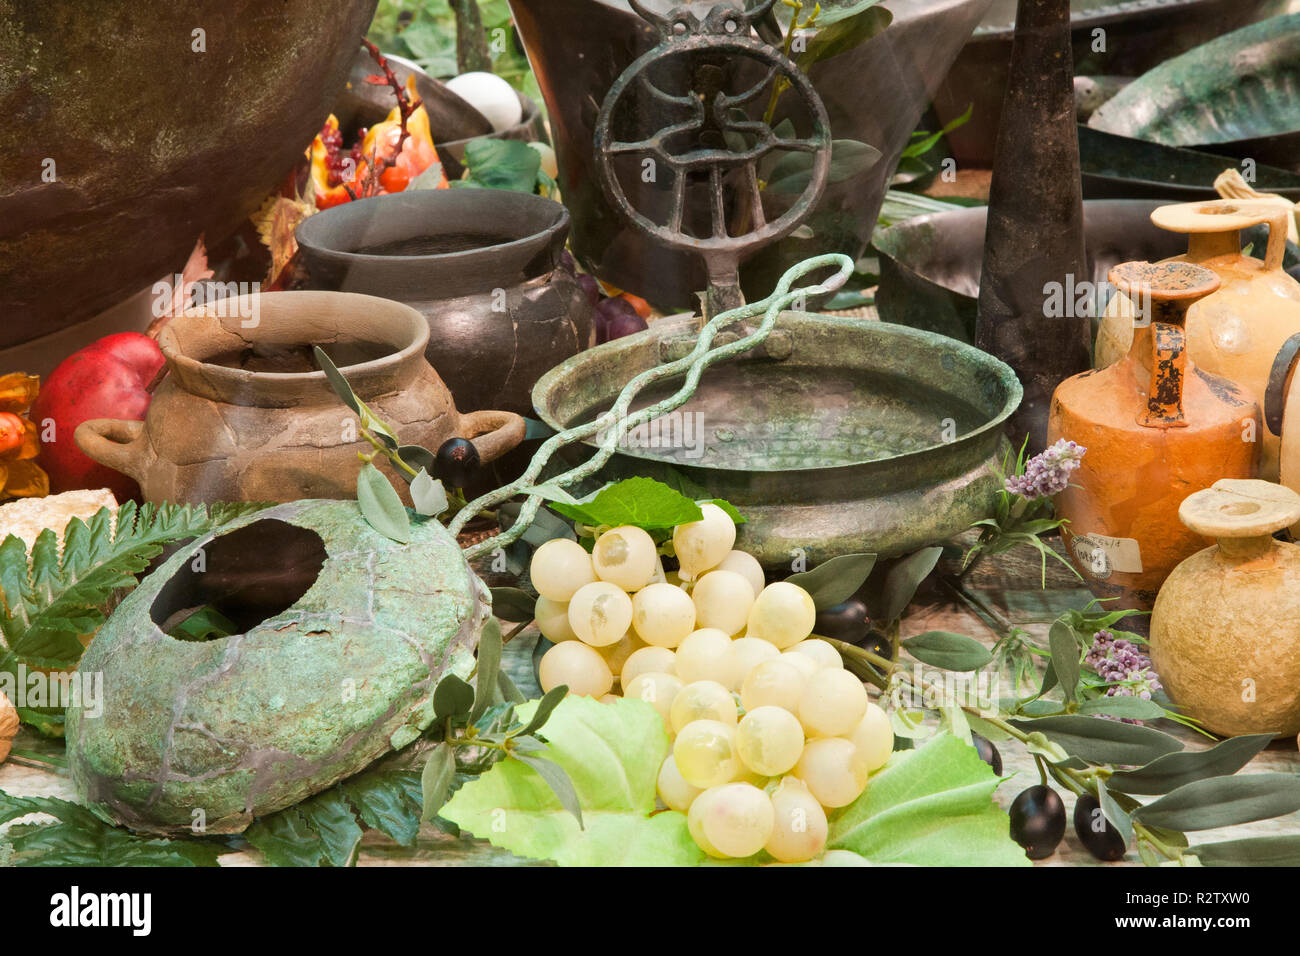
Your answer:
<point x="153" y="142"/>
<point x="487" y="279"/>
<point x="874" y="93"/>
<point x="1138" y="35"/>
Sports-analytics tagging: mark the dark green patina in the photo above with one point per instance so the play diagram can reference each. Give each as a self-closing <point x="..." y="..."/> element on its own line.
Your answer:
<point x="834" y="436"/>
<point x="242" y="726"/>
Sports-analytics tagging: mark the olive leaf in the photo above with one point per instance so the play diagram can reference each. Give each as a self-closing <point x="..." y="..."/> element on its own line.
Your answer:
<point x="557" y="780"/>
<point x="489" y="665"/>
<point x="1065" y="658"/>
<point x="843" y="35"/>
<point x="428" y="495"/>
<point x="1224" y="801"/>
<point x="513" y="605"/>
<point x="380" y="505"/>
<point x="953" y="652"/>
<point x="1174" y="770"/>
<point x="545" y="706"/>
<point x="1103" y="741"/>
<point x="1251" y="851"/>
<point x="344" y="391"/>
<point x="436" y="780"/>
<point x="835" y="581"/>
<point x="418" y="457"/>
<point x="452" y="698"/>
<point x="904" y="578"/>
<point x="1114" y="813"/>
<point x="1124" y="708"/>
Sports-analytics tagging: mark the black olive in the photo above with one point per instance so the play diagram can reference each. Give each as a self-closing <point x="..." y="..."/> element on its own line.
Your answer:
<point x="988" y="753"/>
<point x="876" y="643"/>
<point x="457" y="462"/>
<point x="848" y="622"/>
<point x="1095" y="832"/>
<point x="1038" y="821"/>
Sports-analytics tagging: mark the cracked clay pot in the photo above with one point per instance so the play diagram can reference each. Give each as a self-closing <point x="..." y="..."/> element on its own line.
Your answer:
<point x="243" y="413"/>
<point x="344" y="634"/>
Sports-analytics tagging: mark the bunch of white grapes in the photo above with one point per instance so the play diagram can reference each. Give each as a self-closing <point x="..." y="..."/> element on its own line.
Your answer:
<point x="769" y="731"/>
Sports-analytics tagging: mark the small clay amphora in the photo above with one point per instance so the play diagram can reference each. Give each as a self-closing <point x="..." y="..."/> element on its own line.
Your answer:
<point x="1225" y="632"/>
<point x="1156" y="428"/>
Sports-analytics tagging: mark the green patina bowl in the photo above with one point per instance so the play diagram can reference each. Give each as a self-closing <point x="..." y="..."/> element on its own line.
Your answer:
<point x="343" y="635"/>
<point x="834" y="436"/>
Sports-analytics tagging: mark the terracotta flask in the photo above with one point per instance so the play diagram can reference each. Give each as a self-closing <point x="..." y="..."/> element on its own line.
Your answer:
<point x="1225" y="632"/>
<point x="1237" y="331"/>
<point x="1156" y="427"/>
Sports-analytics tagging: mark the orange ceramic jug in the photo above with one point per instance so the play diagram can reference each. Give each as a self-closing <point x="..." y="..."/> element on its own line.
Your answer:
<point x="1237" y="331"/>
<point x="1156" y="428"/>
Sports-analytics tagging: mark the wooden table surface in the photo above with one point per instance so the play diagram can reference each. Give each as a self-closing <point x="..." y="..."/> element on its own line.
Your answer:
<point x="1006" y="584"/>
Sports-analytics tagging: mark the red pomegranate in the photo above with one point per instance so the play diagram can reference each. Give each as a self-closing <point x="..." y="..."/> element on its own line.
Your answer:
<point x="109" y="378"/>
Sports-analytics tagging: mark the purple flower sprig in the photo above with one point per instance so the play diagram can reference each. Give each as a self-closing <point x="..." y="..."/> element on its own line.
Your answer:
<point x="1048" y="473"/>
<point x="1122" y="664"/>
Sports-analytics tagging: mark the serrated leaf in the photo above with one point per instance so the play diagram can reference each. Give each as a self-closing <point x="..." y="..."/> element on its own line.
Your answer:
<point x="287" y="839"/>
<point x="428" y="495"/>
<point x="904" y="578"/>
<point x="1172" y="771"/>
<point x="1224" y="802"/>
<point x="953" y="652"/>
<point x="513" y="605"/>
<point x="489" y="665"/>
<point x="380" y="505"/>
<point x="452" y="698"/>
<point x="330" y="816"/>
<point x="1102" y="741"/>
<point x="611" y="753"/>
<point x="388" y="801"/>
<point x="1065" y="657"/>
<point x="835" y="581"/>
<point x="1252" y="851"/>
<point x="642" y="502"/>
<point x="931" y="807"/>
<point x="436" y="780"/>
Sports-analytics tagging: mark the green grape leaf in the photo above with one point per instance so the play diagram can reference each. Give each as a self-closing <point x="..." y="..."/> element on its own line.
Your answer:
<point x="611" y="754"/>
<point x="642" y="502"/>
<point x="931" y="807"/>
<point x="834" y="582"/>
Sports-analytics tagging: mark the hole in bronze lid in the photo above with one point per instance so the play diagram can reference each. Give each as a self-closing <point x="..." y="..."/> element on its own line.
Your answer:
<point x="1218" y="210"/>
<point x="1238" y="508"/>
<point x="238" y="580"/>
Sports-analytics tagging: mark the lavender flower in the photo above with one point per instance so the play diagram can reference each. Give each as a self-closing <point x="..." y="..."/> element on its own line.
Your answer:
<point x="1121" y="664"/>
<point x="1048" y="473"/>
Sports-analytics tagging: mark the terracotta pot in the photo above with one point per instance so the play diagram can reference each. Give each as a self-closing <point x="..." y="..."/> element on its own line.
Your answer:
<point x="486" y="278"/>
<point x="1225" y="632"/>
<point x="219" y="432"/>
<point x="1156" y="428"/>
<point x="1237" y="331"/>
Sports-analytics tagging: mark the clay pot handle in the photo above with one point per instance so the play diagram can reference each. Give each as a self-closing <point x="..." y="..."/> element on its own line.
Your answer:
<point x="1231" y="215"/>
<point x="116" y="443"/>
<point x="1240" y="508"/>
<point x="1168" y="365"/>
<point x="493" y="433"/>
<point x="1279" y="383"/>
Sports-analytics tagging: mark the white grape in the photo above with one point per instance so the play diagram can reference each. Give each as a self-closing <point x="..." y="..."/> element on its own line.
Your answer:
<point x="803" y="663"/>
<point x="874" y="738"/>
<point x="783" y="613"/>
<point x="832" y="703"/>
<point x="799" y="828"/>
<point x="844" y="858"/>
<point x="747" y="566"/>
<point x="702" y="700"/>
<point x="695" y="823"/>
<point x="746" y="654"/>
<point x="552" y="619"/>
<point x="559" y="567"/>
<point x="705" y="753"/>
<point x="625" y="556"/>
<point x="701" y="545"/>
<point x="820" y="652"/>
<point x="722" y="600"/>
<point x="832" y="771"/>
<point x="647" y="660"/>
<point x="616" y="654"/>
<point x="776" y="683"/>
<point x="577" y="666"/>
<point x="673" y="789"/>
<point x="706" y="655"/>
<point x="663" y="614"/>
<point x="657" y="690"/>
<point x="600" y="613"/>
<point x="737" y="820"/>
<point x="769" y="740"/>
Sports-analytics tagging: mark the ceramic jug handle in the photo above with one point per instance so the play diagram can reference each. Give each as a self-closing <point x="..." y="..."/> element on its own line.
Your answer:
<point x="119" y="444"/>
<point x="1168" y="363"/>
<point x="493" y="433"/>
<point x="1278" y="229"/>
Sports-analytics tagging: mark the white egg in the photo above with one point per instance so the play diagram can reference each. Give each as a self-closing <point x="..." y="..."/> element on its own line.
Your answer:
<point x="490" y="95"/>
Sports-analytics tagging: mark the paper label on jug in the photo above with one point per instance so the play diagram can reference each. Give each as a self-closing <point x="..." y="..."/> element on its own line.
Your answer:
<point x="1101" y="555"/>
